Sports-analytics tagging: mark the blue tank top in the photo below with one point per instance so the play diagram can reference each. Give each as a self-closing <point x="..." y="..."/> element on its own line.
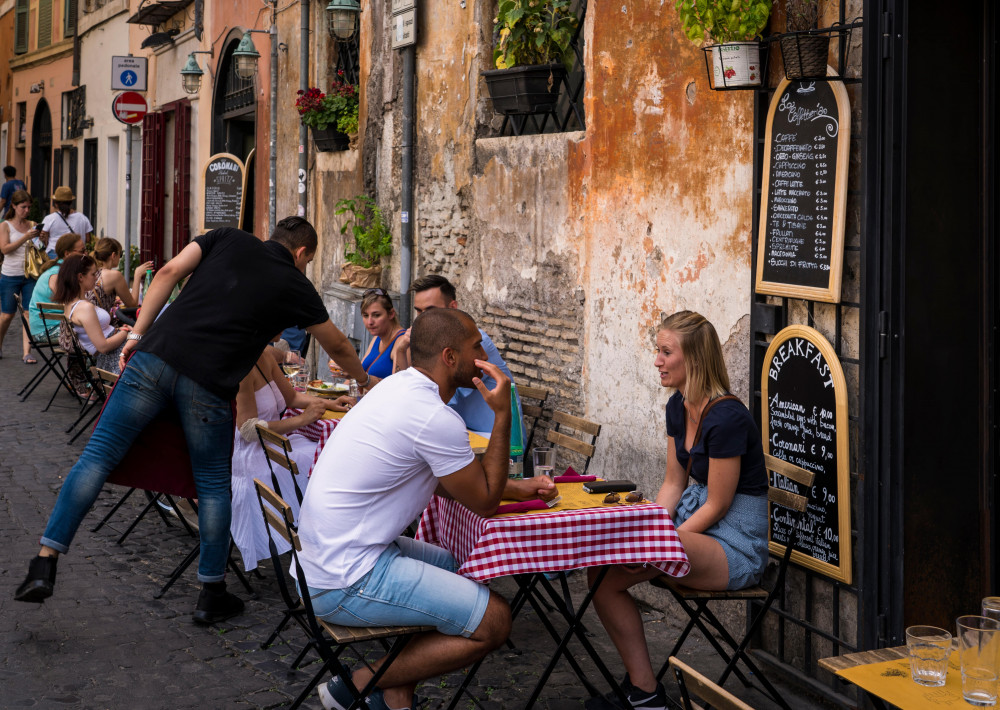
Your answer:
<point x="380" y="364"/>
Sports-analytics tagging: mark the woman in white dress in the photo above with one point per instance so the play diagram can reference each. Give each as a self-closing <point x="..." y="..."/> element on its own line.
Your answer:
<point x="264" y="394"/>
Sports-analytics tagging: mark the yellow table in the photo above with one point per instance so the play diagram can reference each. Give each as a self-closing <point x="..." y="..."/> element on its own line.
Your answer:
<point x="885" y="675"/>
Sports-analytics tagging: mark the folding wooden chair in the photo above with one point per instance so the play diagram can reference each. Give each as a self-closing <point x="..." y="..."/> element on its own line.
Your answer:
<point x="329" y="640"/>
<point x="695" y="602"/>
<point x="278" y="449"/>
<point x="48" y="348"/>
<point x="535" y="411"/>
<point x="579" y="445"/>
<point x="688" y="680"/>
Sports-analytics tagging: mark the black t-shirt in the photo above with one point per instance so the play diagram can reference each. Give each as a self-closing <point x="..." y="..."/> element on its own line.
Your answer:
<point x="727" y="431"/>
<point x="242" y="293"/>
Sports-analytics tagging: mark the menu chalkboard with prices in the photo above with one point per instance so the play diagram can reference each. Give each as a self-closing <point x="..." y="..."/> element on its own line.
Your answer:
<point x="804" y="422"/>
<point x="223" y="195"/>
<point x="801" y="246"/>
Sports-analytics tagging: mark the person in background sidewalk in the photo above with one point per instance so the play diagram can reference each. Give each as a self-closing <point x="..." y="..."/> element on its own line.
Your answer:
<point x="10" y="186"/>
<point x="191" y="359"/>
<point x="64" y="219"/>
<point x="15" y="231"/>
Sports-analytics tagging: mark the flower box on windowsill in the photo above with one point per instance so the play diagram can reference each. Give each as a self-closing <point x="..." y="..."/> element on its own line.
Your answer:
<point x="522" y="90"/>
<point x="329" y="139"/>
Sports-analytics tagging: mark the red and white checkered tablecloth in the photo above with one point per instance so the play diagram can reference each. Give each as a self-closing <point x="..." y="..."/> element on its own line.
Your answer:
<point x="551" y="541"/>
<point x="319" y="431"/>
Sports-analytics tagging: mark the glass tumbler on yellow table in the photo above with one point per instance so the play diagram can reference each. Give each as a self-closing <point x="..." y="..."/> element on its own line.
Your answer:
<point x="979" y="652"/>
<point x="991" y="608"/>
<point x="929" y="648"/>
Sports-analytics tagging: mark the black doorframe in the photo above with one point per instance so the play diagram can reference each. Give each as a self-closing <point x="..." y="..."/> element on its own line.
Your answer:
<point x="901" y="166"/>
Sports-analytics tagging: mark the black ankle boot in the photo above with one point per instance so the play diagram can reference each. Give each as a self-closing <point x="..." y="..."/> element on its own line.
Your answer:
<point x="41" y="580"/>
<point x="215" y="604"/>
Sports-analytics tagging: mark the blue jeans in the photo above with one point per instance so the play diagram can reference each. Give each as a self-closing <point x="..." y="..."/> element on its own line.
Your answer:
<point x="413" y="583"/>
<point x="146" y="387"/>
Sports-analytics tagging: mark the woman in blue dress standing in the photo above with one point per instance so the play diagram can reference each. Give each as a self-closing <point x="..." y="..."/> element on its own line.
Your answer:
<point x="720" y="513"/>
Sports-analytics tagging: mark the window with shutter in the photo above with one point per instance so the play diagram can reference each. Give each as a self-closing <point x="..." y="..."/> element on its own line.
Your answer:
<point x="44" y="23"/>
<point x="21" y="27"/>
<point x="69" y="17"/>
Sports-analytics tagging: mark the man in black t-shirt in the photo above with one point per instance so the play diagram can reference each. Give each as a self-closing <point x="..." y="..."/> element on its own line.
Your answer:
<point x="241" y="292"/>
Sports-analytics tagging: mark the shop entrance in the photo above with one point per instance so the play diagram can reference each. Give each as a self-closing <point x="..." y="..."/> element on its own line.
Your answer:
<point x="40" y="173"/>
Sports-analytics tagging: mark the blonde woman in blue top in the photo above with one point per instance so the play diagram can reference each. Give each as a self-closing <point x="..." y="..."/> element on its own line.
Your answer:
<point x="720" y="515"/>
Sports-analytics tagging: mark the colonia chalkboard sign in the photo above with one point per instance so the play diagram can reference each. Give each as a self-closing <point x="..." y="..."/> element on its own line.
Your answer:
<point x="223" y="196"/>
<point x="800" y="251"/>
<point x="804" y="422"/>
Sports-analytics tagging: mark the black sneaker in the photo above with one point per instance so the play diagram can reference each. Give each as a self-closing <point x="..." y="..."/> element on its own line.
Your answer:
<point x="637" y="698"/>
<point x="40" y="582"/>
<point x="215" y="604"/>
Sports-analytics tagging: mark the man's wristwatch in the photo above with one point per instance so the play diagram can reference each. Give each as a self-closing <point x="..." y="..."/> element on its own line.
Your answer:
<point x="134" y="336"/>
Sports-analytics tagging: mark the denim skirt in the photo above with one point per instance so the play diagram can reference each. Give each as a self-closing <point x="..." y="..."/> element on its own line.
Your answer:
<point x="742" y="532"/>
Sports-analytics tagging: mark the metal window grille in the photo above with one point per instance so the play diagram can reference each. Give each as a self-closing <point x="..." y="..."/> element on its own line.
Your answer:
<point x="348" y="58"/>
<point x="44" y="23"/>
<point x="75" y="106"/>
<point x="22" y="122"/>
<point x="569" y="113"/>
<point x="21" y="27"/>
<point x="238" y="93"/>
<point x="808" y="624"/>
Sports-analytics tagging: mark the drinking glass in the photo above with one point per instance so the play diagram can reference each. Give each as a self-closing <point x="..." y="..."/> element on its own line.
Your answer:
<point x="991" y="608"/>
<point x="929" y="649"/>
<point x="979" y="651"/>
<point x="291" y="364"/>
<point x="544" y="460"/>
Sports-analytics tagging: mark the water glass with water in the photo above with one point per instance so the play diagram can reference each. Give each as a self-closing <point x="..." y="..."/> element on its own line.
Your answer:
<point x="929" y="648"/>
<point x="544" y="460"/>
<point x="979" y="651"/>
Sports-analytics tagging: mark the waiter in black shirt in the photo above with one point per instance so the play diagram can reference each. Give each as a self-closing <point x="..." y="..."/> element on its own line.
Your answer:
<point x="241" y="292"/>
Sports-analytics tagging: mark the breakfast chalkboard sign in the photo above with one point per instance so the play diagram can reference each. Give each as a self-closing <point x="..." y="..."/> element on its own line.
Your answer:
<point x="804" y="422"/>
<point x="223" y="196"/>
<point x="800" y="251"/>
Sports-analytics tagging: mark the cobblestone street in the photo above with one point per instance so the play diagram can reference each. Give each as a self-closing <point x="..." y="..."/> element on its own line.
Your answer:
<point x="103" y="641"/>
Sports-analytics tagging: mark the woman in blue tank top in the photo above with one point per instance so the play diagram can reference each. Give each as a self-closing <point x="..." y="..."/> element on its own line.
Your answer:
<point x="381" y="321"/>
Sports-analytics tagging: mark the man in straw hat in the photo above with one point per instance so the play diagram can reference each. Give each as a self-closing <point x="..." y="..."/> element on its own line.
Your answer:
<point x="64" y="220"/>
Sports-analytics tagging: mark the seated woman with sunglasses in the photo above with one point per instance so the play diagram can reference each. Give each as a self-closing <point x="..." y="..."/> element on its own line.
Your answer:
<point x="381" y="321"/>
<point x="721" y="517"/>
<point x="263" y="395"/>
<point x="92" y="324"/>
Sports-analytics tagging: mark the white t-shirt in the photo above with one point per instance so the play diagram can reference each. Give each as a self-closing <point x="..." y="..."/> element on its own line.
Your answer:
<point x="56" y="226"/>
<point x="376" y="474"/>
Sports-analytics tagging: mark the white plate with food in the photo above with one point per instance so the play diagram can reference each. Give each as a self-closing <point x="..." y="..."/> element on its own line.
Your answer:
<point x="323" y="388"/>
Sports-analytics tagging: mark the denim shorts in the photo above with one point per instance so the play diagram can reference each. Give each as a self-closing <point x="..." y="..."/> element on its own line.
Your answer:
<point x="11" y="285"/>
<point x="413" y="583"/>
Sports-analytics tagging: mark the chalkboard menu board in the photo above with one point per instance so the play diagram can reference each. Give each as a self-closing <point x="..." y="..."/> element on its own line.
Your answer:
<point x="804" y="422"/>
<point x="801" y="247"/>
<point x="223" y="195"/>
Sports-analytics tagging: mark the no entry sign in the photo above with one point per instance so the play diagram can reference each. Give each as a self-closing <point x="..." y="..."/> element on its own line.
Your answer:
<point x="129" y="107"/>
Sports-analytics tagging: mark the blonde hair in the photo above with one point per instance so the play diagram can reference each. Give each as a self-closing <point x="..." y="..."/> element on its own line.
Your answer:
<point x="106" y="248"/>
<point x="704" y="367"/>
<point x="371" y="298"/>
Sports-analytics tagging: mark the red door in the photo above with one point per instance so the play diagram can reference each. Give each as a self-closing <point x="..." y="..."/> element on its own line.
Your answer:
<point x="182" y="175"/>
<point x="151" y="209"/>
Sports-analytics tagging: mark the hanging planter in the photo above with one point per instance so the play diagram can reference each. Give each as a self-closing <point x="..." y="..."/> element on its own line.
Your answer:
<point x="806" y="54"/>
<point x="329" y="139"/>
<point x="528" y="89"/>
<point x="734" y="65"/>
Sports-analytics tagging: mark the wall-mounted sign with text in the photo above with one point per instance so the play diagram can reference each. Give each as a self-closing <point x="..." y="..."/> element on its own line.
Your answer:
<point x="404" y="23"/>
<point x="801" y="247"/>
<point x="223" y="195"/>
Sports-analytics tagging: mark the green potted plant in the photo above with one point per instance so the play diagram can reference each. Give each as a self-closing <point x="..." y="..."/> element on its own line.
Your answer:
<point x="332" y="116"/>
<point x="532" y="54"/>
<point x="369" y="241"/>
<point x="735" y="28"/>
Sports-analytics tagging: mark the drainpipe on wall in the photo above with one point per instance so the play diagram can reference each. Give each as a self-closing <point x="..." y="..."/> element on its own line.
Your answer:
<point x="406" y="193"/>
<point x="303" y="85"/>
<point x="273" y="158"/>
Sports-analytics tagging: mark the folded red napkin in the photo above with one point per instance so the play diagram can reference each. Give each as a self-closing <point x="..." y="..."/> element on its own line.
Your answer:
<point x="523" y="507"/>
<point x="574" y="479"/>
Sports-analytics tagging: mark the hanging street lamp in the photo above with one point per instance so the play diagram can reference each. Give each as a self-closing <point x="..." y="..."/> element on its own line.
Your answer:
<point x="343" y="15"/>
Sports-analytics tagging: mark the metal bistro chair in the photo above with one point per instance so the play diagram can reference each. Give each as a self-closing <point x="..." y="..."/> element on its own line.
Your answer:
<point x="535" y="411"/>
<point x="48" y="348"/>
<point x="329" y="640"/>
<point x="689" y="680"/>
<point x="579" y="445"/>
<point x="695" y="602"/>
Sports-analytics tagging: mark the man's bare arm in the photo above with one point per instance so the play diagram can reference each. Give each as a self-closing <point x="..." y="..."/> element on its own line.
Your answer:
<point x="339" y="348"/>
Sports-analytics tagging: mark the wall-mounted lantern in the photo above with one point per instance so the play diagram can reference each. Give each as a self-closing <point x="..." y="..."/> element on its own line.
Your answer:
<point x="343" y="15"/>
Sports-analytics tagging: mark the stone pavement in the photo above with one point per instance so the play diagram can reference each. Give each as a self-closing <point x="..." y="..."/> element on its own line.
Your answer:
<point x="103" y="641"/>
